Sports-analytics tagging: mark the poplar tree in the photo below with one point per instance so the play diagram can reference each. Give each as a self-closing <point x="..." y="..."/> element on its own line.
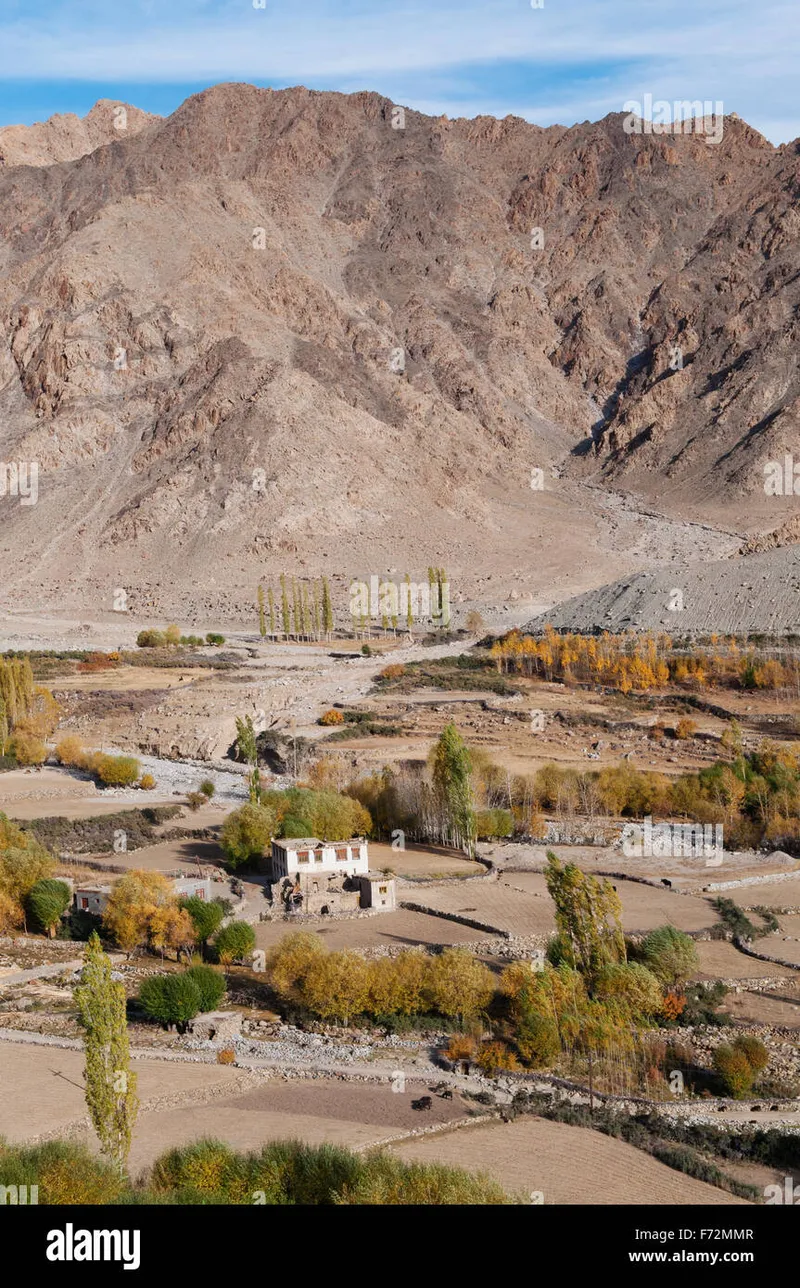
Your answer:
<point x="409" y="606"/>
<point x="588" y="918"/>
<point x="271" y="599"/>
<point x="110" y="1086"/>
<point x="306" y="611"/>
<point x="296" y="612"/>
<point x="317" y="631"/>
<point x="327" y="610"/>
<point x="262" y="621"/>
<point x="431" y="593"/>
<point x="285" y="608"/>
<point x="452" y="784"/>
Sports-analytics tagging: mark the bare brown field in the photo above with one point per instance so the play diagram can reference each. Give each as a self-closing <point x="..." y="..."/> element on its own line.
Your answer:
<point x="777" y="894"/>
<point x="51" y="791"/>
<point x="643" y="907"/>
<point x="401" y="928"/>
<point x="422" y="861"/>
<point x="785" y="943"/>
<point x="780" y="1006"/>
<point x="495" y="904"/>
<point x="684" y="874"/>
<point x="325" y="1111"/>
<point x="130" y="679"/>
<point x="720" y="960"/>
<point x="568" y="1165"/>
<point x="43" y="1088"/>
<point x="166" y="856"/>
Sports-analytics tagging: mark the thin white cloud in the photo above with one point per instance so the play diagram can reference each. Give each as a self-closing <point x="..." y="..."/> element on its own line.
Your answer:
<point x="744" y="54"/>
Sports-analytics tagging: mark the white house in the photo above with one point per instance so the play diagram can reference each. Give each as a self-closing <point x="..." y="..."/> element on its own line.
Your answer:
<point x="193" y="888"/>
<point x="305" y="855"/>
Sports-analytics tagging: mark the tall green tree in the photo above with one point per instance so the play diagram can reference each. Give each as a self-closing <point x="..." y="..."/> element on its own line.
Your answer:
<point x="47" y="900"/>
<point x="588" y="917"/>
<point x="317" y="631"/>
<point x="246" y="739"/>
<point x="262" y="621"/>
<point x="327" y="610"/>
<point x="287" y="622"/>
<point x="297" y="613"/>
<point x="409" y="606"/>
<point x="110" y="1086"/>
<point x="452" y="784"/>
<point x="271" y="599"/>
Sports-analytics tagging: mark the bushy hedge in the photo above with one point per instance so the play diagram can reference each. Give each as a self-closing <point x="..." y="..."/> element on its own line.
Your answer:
<point x="282" y="1173"/>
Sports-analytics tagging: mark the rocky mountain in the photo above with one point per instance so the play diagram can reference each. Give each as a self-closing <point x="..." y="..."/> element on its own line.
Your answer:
<point x="759" y="594"/>
<point x="67" y="137"/>
<point x="274" y="332"/>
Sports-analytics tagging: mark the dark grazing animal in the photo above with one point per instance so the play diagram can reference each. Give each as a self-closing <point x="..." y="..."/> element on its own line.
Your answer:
<point x="424" y="1102"/>
<point x="666" y="883"/>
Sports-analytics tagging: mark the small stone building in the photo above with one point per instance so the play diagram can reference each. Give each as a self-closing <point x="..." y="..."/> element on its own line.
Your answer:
<point x="91" y="898"/>
<point x="321" y="894"/>
<point x="378" y="891"/>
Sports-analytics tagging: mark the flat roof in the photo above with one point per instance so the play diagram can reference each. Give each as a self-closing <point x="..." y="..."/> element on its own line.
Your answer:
<point x="312" y="843"/>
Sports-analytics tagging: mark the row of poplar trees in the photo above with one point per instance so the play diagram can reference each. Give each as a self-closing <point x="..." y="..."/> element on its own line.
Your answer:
<point x="300" y="611"/>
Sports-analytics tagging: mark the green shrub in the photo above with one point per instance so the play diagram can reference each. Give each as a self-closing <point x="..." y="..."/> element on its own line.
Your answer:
<point x="151" y="639"/>
<point x="207" y="916"/>
<point x="47" y="900"/>
<point x="753" y="1050"/>
<point x="537" y="1040"/>
<point x="117" y="771"/>
<point x="207" y="788"/>
<point x="246" y="834"/>
<point x="194" y="800"/>
<point x="702" y="1002"/>
<point x="66" y="1173"/>
<point x="210" y="984"/>
<point x="734" y="1071"/>
<point x="214" y="638"/>
<point x="291" y="1172"/>
<point x="235" y="941"/>
<point x="208" y="1170"/>
<point x="670" y="955"/>
<point x="170" y="999"/>
<point x="387" y="1181"/>
<point x="493" y="823"/>
<point x="734" y="918"/>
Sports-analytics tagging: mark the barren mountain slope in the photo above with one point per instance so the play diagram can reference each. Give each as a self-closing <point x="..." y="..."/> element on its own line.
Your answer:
<point x="758" y="594"/>
<point x="67" y="137"/>
<point x="272" y="333"/>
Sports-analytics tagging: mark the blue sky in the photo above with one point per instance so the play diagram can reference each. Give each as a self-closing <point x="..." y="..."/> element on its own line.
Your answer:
<point x="571" y="60"/>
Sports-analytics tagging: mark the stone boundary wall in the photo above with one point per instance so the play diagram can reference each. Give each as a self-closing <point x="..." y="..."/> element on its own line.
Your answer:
<point x="455" y="916"/>
<point x="744" y="947"/>
<point x="435" y="1129"/>
<point x="766" y="879"/>
<point x="756" y="984"/>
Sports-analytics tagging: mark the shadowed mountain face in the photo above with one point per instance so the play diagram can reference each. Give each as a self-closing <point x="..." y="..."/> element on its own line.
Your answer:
<point x="275" y="333"/>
